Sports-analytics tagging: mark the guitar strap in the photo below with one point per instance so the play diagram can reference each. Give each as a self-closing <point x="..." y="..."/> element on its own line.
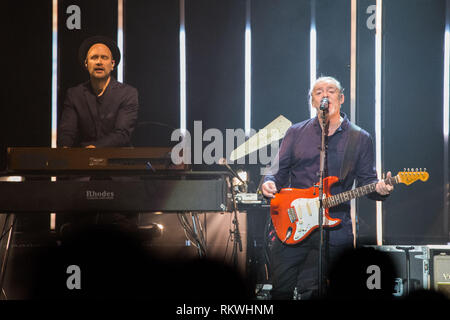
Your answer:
<point x="350" y="150"/>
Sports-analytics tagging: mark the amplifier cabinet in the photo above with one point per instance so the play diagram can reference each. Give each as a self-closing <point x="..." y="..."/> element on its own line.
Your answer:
<point x="399" y="259"/>
<point x="438" y="271"/>
<point x="441" y="274"/>
<point x="429" y="267"/>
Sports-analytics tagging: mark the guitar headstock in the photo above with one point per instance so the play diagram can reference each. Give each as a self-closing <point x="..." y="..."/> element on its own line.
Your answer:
<point x="409" y="176"/>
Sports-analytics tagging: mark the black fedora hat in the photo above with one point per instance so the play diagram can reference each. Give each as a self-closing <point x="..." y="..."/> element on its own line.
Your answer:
<point x="89" y="42"/>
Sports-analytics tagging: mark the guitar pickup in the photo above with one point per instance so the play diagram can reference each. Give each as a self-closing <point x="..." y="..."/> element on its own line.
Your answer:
<point x="292" y="215"/>
<point x="308" y="208"/>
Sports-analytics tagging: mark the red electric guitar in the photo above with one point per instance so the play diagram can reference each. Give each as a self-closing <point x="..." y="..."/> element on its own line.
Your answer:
<point x="295" y="212"/>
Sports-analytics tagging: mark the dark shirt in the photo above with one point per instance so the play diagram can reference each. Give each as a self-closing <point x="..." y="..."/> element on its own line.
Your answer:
<point x="105" y="121"/>
<point x="299" y="164"/>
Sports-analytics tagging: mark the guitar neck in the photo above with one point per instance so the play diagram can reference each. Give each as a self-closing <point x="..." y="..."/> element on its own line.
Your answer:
<point x="355" y="193"/>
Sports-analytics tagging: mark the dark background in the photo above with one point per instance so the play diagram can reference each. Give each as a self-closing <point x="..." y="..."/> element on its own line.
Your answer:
<point x="412" y="94"/>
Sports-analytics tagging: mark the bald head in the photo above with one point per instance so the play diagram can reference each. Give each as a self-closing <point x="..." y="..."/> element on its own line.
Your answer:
<point x="99" y="61"/>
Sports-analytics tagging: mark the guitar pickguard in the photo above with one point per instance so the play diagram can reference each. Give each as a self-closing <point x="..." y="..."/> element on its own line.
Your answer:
<point x="307" y="213"/>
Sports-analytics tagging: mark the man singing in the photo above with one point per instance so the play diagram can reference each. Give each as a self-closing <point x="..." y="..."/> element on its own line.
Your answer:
<point x="295" y="267"/>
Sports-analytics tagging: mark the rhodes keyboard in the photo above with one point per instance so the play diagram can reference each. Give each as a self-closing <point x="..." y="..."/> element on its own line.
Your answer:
<point x="197" y="192"/>
<point x="37" y="160"/>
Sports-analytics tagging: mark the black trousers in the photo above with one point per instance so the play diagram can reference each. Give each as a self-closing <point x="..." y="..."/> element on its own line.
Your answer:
<point x="296" y="267"/>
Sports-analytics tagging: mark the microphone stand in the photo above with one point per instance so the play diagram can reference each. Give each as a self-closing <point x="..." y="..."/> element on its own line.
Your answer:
<point x="323" y="150"/>
<point x="236" y="232"/>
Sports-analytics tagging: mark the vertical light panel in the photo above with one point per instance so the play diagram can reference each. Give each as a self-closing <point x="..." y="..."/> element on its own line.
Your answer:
<point x="446" y="84"/>
<point x="182" y="41"/>
<point x="353" y="26"/>
<point x="54" y="70"/>
<point x="313" y="51"/>
<point x="446" y="109"/>
<point x="353" y="94"/>
<point x="54" y="89"/>
<point x="248" y="68"/>
<point x="120" y="67"/>
<point x="378" y="61"/>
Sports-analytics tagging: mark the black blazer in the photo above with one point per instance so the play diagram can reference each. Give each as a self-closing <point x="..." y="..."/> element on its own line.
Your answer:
<point x="110" y="124"/>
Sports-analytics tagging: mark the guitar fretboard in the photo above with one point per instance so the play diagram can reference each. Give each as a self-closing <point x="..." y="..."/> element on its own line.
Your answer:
<point x="355" y="193"/>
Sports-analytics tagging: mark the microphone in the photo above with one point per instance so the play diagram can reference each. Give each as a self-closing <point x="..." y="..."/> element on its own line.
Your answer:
<point x="223" y="162"/>
<point x="324" y="104"/>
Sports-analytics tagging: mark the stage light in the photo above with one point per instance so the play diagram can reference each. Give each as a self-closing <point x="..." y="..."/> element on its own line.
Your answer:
<point x="378" y="62"/>
<point x="241" y="186"/>
<point x="446" y="81"/>
<point x="54" y="101"/>
<point x="312" y="52"/>
<point x="14" y="179"/>
<point x="54" y="98"/>
<point x="353" y="62"/>
<point x="120" y="39"/>
<point x="446" y="104"/>
<point x="151" y="231"/>
<point x="248" y="70"/>
<point x="182" y="44"/>
<point x="243" y="175"/>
